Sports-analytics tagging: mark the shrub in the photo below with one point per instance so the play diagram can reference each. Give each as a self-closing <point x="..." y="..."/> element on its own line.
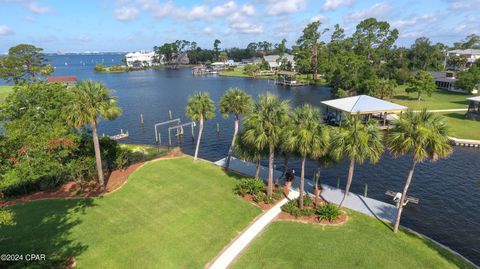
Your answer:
<point x="328" y="211"/>
<point x="306" y="211"/>
<point x="123" y="158"/>
<point x="257" y="198"/>
<point x="307" y="200"/>
<point x="249" y="186"/>
<point x="290" y="206"/>
<point x="6" y="218"/>
<point x="267" y="200"/>
<point x="277" y="194"/>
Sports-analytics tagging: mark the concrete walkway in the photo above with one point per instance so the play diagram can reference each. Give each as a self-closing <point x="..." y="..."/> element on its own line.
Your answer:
<point x="227" y="256"/>
<point x="359" y="203"/>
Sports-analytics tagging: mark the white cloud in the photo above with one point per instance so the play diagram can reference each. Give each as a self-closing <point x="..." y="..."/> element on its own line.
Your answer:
<point x="224" y="10"/>
<point x="241" y="24"/>
<point x="207" y="30"/>
<point x="377" y="10"/>
<point x="334" y="4"/>
<point x="157" y="9"/>
<point x="463" y="4"/>
<point x="278" y="7"/>
<point x="319" y="18"/>
<point x="84" y="38"/>
<point x="427" y="18"/>
<point x="249" y="10"/>
<point x="5" y="30"/>
<point x="197" y="12"/>
<point x="37" y="8"/>
<point x="126" y="13"/>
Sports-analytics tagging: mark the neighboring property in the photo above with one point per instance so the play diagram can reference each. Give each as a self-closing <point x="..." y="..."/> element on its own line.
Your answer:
<point x="140" y="59"/>
<point x="223" y="65"/>
<point x="473" y="108"/>
<point x="362" y="105"/>
<point x="446" y="81"/>
<point x="253" y="60"/>
<point x="62" y="79"/>
<point x="275" y="61"/>
<point x="182" y="58"/>
<point x="471" y="55"/>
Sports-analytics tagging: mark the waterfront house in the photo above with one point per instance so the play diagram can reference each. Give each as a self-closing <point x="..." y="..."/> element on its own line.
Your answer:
<point x="275" y="61"/>
<point x="140" y="59"/>
<point x="471" y="55"/>
<point x="253" y="60"/>
<point x="446" y="81"/>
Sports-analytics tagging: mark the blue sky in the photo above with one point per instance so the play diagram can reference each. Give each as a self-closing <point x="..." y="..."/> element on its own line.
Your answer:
<point x="126" y="25"/>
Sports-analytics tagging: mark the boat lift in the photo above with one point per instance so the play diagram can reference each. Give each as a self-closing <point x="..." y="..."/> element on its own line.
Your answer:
<point x="158" y="135"/>
<point x="397" y="197"/>
<point x="180" y="126"/>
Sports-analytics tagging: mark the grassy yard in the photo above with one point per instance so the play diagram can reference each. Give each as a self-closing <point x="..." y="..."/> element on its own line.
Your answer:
<point x="363" y="242"/>
<point x="438" y="100"/>
<point x="170" y="214"/>
<point x="4" y="92"/>
<point x="461" y="127"/>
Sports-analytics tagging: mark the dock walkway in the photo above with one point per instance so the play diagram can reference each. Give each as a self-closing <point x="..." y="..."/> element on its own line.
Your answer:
<point x="359" y="203"/>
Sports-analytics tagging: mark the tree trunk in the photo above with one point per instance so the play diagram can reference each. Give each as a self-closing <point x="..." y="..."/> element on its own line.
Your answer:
<point x="349" y="181"/>
<point x="257" y="168"/>
<point x="317" y="181"/>
<point x="98" y="156"/>
<point x="200" y="130"/>
<point x="270" y="172"/>
<point x="230" y="151"/>
<point x="302" y="183"/>
<point x="285" y="167"/>
<point x="404" y="194"/>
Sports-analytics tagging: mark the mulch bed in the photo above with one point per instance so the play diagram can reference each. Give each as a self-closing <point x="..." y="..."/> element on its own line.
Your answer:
<point x="313" y="219"/>
<point x="263" y="205"/>
<point x="115" y="180"/>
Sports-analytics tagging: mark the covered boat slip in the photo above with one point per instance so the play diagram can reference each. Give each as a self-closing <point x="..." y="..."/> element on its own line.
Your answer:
<point x="363" y="106"/>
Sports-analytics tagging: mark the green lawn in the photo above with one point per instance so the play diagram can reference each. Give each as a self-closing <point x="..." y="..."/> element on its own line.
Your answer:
<point x="362" y="242"/>
<point x="4" y="92"/>
<point x="460" y="127"/>
<point x="171" y="214"/>
<point x="438" y="100"/>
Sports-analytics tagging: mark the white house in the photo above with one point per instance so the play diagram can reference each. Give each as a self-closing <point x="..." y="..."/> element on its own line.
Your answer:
<point x="446" y="81"/>
<point x="470" y="54"/>
<point x="275" y="61"/>
<point x="140" y="59"/>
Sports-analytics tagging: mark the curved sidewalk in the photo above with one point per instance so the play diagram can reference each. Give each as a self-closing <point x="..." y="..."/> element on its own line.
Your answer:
<point x="228" y="255"/>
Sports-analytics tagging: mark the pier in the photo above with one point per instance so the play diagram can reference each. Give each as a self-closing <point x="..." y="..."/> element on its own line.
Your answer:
<point x="465" y="142"/>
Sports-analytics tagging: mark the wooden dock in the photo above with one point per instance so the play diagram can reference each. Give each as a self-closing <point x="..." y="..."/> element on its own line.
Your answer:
<point x="408" y="199"/>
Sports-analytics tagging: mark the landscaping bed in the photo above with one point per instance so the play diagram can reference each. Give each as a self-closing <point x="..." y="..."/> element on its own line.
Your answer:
<point x="255" y="191"/>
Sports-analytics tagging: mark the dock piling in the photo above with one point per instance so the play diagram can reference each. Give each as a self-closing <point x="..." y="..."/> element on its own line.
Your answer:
<point x="338" y="182"/>
<point x="141" y="118"/>
<point x="170" y="114"/>
<point x="365" y="192"/>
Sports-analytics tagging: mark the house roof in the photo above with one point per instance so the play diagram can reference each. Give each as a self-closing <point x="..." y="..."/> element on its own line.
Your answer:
<point x="64" y="79"/>
<point x="363" y="104"/>
<point x="467" y="51"/>
<point x="475" y="99"/>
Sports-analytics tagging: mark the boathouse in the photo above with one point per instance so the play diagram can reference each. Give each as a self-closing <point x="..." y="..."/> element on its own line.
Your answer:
<point x="473" y="108"/>
<point x="363" y="106"/>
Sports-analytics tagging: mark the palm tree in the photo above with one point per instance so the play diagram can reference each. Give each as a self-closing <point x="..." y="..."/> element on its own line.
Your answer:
<point x="284" y="149"/>
<point x="263" y="128"/>
<point x="249" y="153"/>
<point x="358" y="142"/>
<point x="324" y="160"/>
<point x="92" y="101"/>
<point x="424" y="135"/>
<point x="308" y="139"/>
<point x="200" y="107"/>
<point x="235" y="101"/>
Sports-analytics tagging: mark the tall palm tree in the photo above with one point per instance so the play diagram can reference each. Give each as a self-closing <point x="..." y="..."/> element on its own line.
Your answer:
<point x="235" y="101"/>
<point x="91" y="102"/>
<point x="309" y="139"/>
<point x="423" y="135"/>
<point x="357" y="142"/>
<point x="284" y="149"/>
<point x="200" y="107"/>
<point x="263" y="128"/>
<point x="249" y="153"/>
<point x="326" y="159"/>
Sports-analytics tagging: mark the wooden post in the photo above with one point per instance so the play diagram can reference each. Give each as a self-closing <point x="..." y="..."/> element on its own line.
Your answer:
<point x="170" y="114"/>
<point x="169" y="138"/>
<point x="365" y="192"/>
<point x="218" y="128"/>
<point x="141" y="118"/>
<point x="384" y="119"/>
<point x="338" y="182"/>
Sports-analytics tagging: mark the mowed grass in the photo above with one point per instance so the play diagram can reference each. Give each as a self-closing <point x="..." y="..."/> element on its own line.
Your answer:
<point x="362" y="242"/>
<point x="5" y="90"/>
<point x="170" y="214"/>
<point x="438" y="100"/>
<point x="460" y="127"/>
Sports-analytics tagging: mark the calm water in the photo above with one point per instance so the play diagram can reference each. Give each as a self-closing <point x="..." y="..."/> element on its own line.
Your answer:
<point x="449" y="190"/>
